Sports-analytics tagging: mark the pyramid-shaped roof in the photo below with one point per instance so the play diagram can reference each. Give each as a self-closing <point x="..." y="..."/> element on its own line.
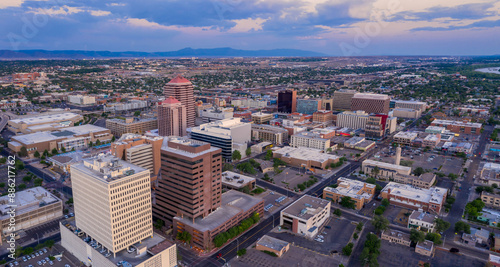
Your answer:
<point x="179" y="79"/>
<point x="170" y="100"/>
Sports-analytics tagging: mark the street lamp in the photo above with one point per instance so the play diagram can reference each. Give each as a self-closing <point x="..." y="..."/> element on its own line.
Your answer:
<point x="38" y="238"/>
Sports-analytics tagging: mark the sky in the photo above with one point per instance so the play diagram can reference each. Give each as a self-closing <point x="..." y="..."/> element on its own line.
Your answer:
<point x="332" y="27"/>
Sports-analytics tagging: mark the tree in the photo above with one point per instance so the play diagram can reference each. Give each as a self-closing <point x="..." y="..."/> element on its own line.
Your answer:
<point x="474" y="207"/>
<point x="269" y="155"/>
<point x="376" y="171"/>
<point x="241" y="252"/>
<point x="113" y="138"/>
<point x="441" y="225"/>
<point x="380" y="223"/>
<point x="27" y="179"/>
<point x="22" y="186"/>
<point x="416" y="236"/>
<point x="227" y="167"/>
<point x="434" y="237"/>
<point x="462" y="227"/>
<point x="97" y="142"/>
<point x="371" y="180"/>
<point x="159" y="224"/>
<point x="347" y="250"/>
<point x="63" y="149"/>
<point x="137" y="113"/>
<point x="236" y="155"/>
<point x="248" y="152"/>
<point x="337" y="212"/>
<point x="385" y="202"/>
<point x="23" y="152"/>
<point x="91" y="144"/>
<point x="347" y="202"/>
<point x="54" y="151"/>
<point x="184" y="236"/>
<point x="37" y="154"/>
<point x="418" y="171"/>
<point x="359" y="227"/>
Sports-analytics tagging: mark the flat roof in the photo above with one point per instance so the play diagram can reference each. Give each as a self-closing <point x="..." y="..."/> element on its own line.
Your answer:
<point x="458" y="123"/>
<point x="305" y="153"/>
<point x="26" y="201"/>
<point x="422" y="216"/>
<point x="187" y="142"/>
<point x="235" y="179"/>
<point x="410" y="102"/>
<point x="397" y="234"/>
<point x="233" y="202"/>
<point x="431" y="195"/>
<point x="108" y="168"/>
<point x="426" y="245"/>
<point x="272" y="243"/>
<point x="46" y="118"/>
<point x="406" y="135"/>
<point x="386" y="165"/>
<point x="372" y="96"/>
<point x="306" y="207"/>
<point x="46" y="136"/>
<point x="351" y="188"/>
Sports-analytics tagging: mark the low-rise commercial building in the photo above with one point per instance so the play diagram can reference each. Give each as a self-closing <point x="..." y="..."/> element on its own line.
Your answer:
<point x="430" y="200"/>
<point x="52" y="122"/>
<point x="435" y="130"/>
<point x="490" y="173"/>
<point x="385" y="170"/>
<point x="459" y="126"/>
<point x="360" y="192"/>
<point x="273" y="134"/>
<point x="133" y="125"/>
<point x="271" y="244"/>
<point x="406" y="113"/>
<point x="81" y="99"/>
<point x="123" y="107"/>
<point x="405" y="138"/>
<point x="32" y="206"/>
<point x="432" y="140"/>
<point x="422" y="221"/>
<point x="323" y="116"/>
<point x="235" y="207"/>
<point x="237" y="181"/>
<point x="261" y="118"/>
<point x="420" y="106"/>
<point x="491" y="200"/>
<point x="310" y="140"/>
<point x="215" y="114"/>
<point x="71" y="137"/>
<point x="425" y="248"/>
<point x="425" y="180"/>
<point x="395" y="236"/>
<point x="306" y="215"/>
<point x="308" y="158"/>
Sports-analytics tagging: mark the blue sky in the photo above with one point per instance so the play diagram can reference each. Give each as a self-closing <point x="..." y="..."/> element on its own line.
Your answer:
<point x="334" y="27"/>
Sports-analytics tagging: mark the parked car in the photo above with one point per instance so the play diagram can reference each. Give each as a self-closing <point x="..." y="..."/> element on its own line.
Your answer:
<point x="454" y="250"/>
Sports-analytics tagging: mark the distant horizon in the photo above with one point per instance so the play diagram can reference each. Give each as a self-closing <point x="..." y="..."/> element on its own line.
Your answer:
<point x="236" y="49"/>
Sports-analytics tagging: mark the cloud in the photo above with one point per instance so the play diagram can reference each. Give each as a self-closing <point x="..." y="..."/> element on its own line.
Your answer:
<point x="478" y="24"/>
<point x="99" y="13"/>
<point x="459" y="12"/>
<point x="246" y="25"/>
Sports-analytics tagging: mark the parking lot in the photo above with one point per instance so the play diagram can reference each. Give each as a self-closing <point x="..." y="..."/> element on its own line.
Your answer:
<point x="39" y="232"/>
<point x="335" y="238"/>
<point x="290" y="178"/>
<point x="270" y="198"/>
<point x="38" y="260"/>
<point x="392" y="254"/>
<point x="397" y="215"/>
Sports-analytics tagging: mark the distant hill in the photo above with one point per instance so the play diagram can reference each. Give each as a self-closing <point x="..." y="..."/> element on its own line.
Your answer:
<point x="186" y="52"/>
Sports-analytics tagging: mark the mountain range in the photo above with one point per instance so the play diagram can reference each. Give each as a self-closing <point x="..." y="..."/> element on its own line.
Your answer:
<point x="186" y="52"/>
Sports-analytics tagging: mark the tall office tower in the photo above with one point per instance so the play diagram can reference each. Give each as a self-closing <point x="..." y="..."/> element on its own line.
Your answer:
<point x="371" y="103"/>
<point x="172" y="118"/>
<point x="287" y="101"/>
<point x="181" y="89"/>
<point x="190" y="183"/>
<point x="342" y="99"/>
<point x="143" y="151"/>
<point x="112" y="201"/>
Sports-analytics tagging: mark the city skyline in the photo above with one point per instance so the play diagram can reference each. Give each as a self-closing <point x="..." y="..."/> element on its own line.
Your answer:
<point x="335" y="28"/>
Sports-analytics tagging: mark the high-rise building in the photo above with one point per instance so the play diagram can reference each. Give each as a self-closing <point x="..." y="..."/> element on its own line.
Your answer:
<point x="308" y="106"/>
<point x="172" y="118"/>
<point x="287" y="101"/>
<point x="143" y="151"/>
<point x="352" y="119"/>
<point x="190" y="183"/>
<point x="181" y="89"/>
<point x="342" y="99"/>
<point x="228" y="135"/>
<point x="112" y="200"/>
<point x="371" y="103"/>
<point x="131" y="125"/>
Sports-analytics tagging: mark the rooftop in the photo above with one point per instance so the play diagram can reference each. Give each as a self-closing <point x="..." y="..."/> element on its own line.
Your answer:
<point x="410" y="102"/>
<point x="233" y="202"/>
<point x="426" y="245"/>
<point x="458" y="123"/>
<point x="108" y="168"/>
<point x="50" y="136"/>
<point x="351" y="188"/>
<point x="179" y="79"/>
<point x="306" y="207"/>
<point x="422" y="216"/>
<point x="170" y="100"/>
<point x="26" y="201"/>
<point x="432" y="137"/>
<point x="406" y="135"/>
<point x="372" y="96"/>
<point x="184" y="141"/>
<point x="305" y="153"/>
<point x="397" y="234"/>
<point x="386" y="165"/>
<point x="47" y="118"/>
<point x="235" y="179"/>
<point x="431" y="195"/>
<point x="272" y="243"/>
